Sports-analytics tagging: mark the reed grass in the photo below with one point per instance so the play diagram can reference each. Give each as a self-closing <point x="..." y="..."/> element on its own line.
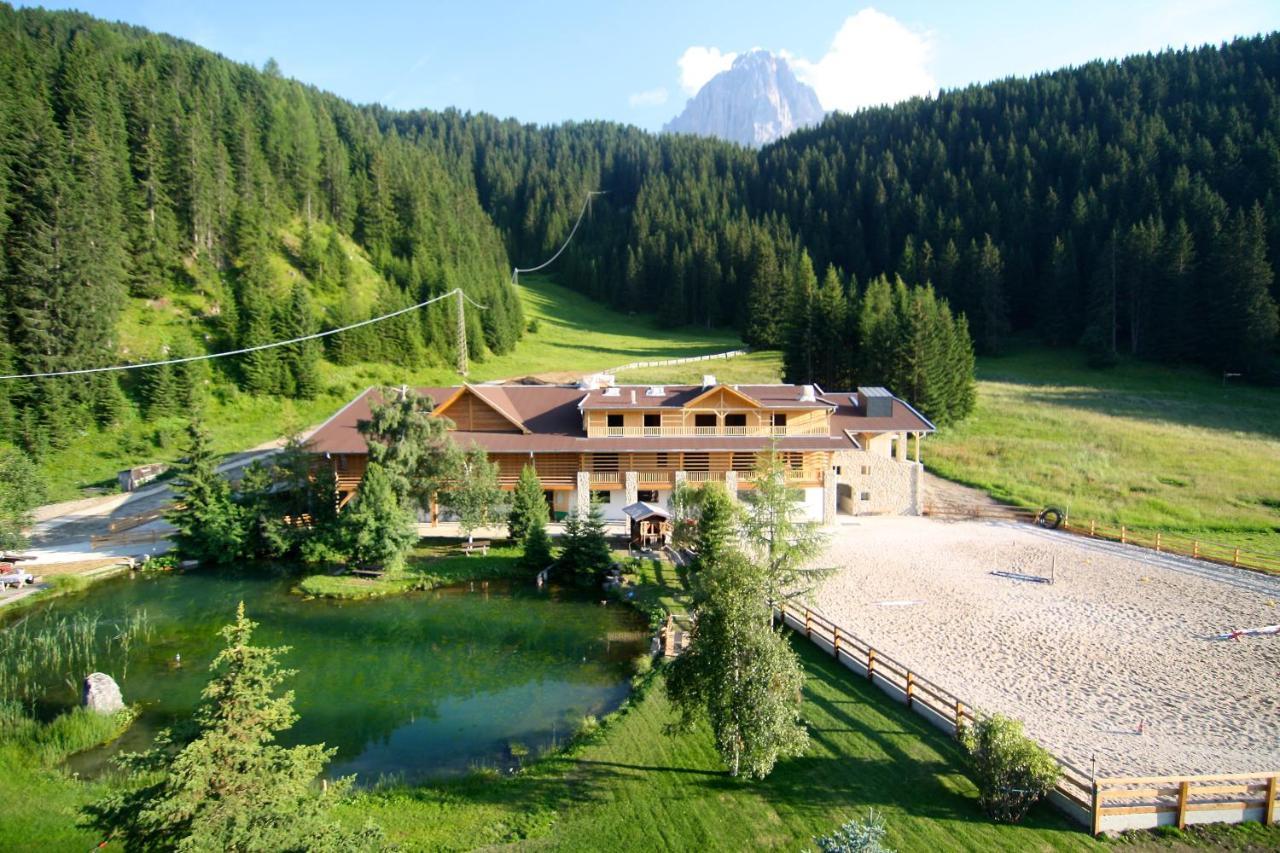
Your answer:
<point x="40" y="654"/>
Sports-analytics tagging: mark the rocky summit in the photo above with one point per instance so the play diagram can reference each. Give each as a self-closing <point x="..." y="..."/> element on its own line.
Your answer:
<point x="755" y="102"/>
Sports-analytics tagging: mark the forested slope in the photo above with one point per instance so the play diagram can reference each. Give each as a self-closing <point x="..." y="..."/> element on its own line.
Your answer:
<point x="139" y="173"/>
<point x="155" y="197"/>
<point x="1132" y="207"/>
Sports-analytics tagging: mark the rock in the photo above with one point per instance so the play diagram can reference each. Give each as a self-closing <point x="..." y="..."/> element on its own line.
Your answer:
<point x="101" y="694"/>
<point x="755" y="102"/>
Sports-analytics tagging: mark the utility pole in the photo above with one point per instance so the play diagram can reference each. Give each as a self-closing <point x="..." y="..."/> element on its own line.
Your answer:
<point x="462" y="335"/>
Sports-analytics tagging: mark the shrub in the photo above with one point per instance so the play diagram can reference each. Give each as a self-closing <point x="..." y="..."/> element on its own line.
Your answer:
<point x="643" y="664"/>
<point x="1012" y="771"/>
<point x="588" y="727"/>
<point x="857" y="836"/>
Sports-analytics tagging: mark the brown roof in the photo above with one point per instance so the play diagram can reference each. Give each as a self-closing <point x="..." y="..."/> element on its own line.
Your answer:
<point x="552" y="415"/>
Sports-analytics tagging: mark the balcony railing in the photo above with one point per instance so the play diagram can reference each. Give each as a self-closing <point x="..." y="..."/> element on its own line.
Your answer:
<point x="687" y="431"/>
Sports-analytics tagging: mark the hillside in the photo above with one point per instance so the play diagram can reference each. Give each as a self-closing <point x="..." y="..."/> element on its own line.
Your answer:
<point x="568" y="332"/>
<point x="155" y="197"/>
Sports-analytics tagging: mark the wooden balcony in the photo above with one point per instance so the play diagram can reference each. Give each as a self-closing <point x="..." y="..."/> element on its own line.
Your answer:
<point x="705" y="431"/>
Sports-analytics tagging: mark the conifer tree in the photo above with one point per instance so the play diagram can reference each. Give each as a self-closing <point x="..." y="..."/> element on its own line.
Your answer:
<point x="585" y="548"/>
<point x="377" y="528"/>
<point x="536" y="544"/>
<point x="210" y="526"/>
<point x="21" y="490"/>
<point x="528" y="504"/>
<point x="775" y="534"/>
<point x="718" y="524"/>
<point x="1242" y="319"/>
<point x="232" y="786"/>
<point x="801" y="348"/>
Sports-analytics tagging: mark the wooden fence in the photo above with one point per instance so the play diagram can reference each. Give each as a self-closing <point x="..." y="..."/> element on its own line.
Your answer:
<point x="670" y="362"/>
<point x="1108" y="804"/>
<point x="1165" y="543"/>
<point x="129" y="522"/>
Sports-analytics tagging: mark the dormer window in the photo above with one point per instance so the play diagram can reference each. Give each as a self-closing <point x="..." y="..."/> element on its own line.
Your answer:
<point x="613" y="392"/>
<point x="655" y="391"/>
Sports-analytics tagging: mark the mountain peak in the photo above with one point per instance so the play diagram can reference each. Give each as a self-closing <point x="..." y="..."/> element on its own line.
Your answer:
<point x="755" y="102"/>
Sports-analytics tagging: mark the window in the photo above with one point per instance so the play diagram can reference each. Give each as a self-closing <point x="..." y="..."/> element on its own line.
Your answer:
<point x="652" y="419"/>
<point x="600" y="496"/>
<point x="779" y="419"/>
<point x="647" y="495"/>
<point x="837" y="470"/>
<point x="738" y="420"/>
<point x="865" y="496"/>
<point x="866" y="470"/>
<point x="704" y="420"/>
<point x="696" y="462"/>
<point x="615" y="420"/>
<point x="342" y="461"/>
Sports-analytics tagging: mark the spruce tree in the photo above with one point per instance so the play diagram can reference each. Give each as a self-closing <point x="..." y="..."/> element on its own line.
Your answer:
<point x="536" y="544"/>
<point x="718" y="525"/>
<point x="1242" y="320"/>
<point x="210" y="527"/>
<point x="775" y="534"/>
<point x="377" y="529"/>
<point x="585" y="548"/>
<point x="232" y="786"/>
<point x="21" y="490"/>
<point x="528" y="504"/>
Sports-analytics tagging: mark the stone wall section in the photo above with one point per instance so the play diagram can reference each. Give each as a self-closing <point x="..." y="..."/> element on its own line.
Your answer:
<point x="870" y="484"/>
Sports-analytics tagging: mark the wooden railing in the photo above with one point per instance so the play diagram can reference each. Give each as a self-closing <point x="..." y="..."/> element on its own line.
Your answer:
<point x="686" y="431"/>
<point x="1164" y="543"/>
<point x="1103" y="804"/>
<point x="129" y="522"/>
<point x="1186" y="546"/>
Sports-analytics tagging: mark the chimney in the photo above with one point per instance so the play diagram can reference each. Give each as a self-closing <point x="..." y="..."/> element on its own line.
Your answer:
<point x="806" y="394"/>
<point x="877" y="402"/>
<point x="708" y="380"/>
<point x="633" y="396"/>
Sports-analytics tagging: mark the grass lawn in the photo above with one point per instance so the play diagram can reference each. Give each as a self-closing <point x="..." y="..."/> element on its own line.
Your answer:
<point x="1152" y="447"/>
<point x="433" y="562"/>
<point x="636" y="787"/>
<point x="574" y="334"/>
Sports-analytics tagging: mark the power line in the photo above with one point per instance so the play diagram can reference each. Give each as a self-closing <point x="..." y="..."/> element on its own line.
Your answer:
<point x="457" y="291"/>
<point x="515" y="272"/>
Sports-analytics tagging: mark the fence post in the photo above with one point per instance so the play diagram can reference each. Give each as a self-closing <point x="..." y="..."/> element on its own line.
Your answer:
<point x="1269" y="813"/>
<point x="807" y="628"/>
<point x="959" y="717"/>
<point x="1195" y="549"/>
<point x="1124" y="535"/>
<point x="871" y="664"/>
<point x="911" y="689"/>
<point x="1092" y="526"/>
<point x="1235" y="561"/>
<point x="1157" y="542"/>
<point x="1184" y="790"/>
<point x="1097" y="812"/>
<point x="835" y="642"/>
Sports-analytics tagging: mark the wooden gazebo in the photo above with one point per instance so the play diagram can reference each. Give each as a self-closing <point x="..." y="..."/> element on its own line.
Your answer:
<point x="650" y="524"/>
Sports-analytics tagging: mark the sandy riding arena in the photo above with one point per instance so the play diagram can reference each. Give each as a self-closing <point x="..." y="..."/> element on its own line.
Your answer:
<point x="1116" y="658"/>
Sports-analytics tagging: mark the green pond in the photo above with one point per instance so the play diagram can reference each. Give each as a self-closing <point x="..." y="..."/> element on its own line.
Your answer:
<point x="422" y="685"/>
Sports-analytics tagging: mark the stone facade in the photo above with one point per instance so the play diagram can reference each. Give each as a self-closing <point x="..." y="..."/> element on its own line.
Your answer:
<point x="870" y="484"/>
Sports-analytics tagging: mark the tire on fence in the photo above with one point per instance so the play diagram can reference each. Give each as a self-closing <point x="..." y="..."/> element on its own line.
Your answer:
<point x="1050" y="518"/>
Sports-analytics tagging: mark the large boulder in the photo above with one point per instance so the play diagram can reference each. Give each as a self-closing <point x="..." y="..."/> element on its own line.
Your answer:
<point x="101" y="694"/>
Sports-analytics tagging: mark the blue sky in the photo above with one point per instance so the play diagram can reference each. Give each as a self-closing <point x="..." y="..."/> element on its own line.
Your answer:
<point x="638" y="62"/>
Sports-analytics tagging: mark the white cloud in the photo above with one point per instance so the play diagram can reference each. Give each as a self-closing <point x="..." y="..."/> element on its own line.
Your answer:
<point x="700" y="64"/>
<point x="649" y="98"/>
<point x="873" y="59"/>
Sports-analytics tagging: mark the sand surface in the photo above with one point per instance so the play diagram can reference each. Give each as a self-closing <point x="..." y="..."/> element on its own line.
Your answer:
<point x="1121" y="639"/>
